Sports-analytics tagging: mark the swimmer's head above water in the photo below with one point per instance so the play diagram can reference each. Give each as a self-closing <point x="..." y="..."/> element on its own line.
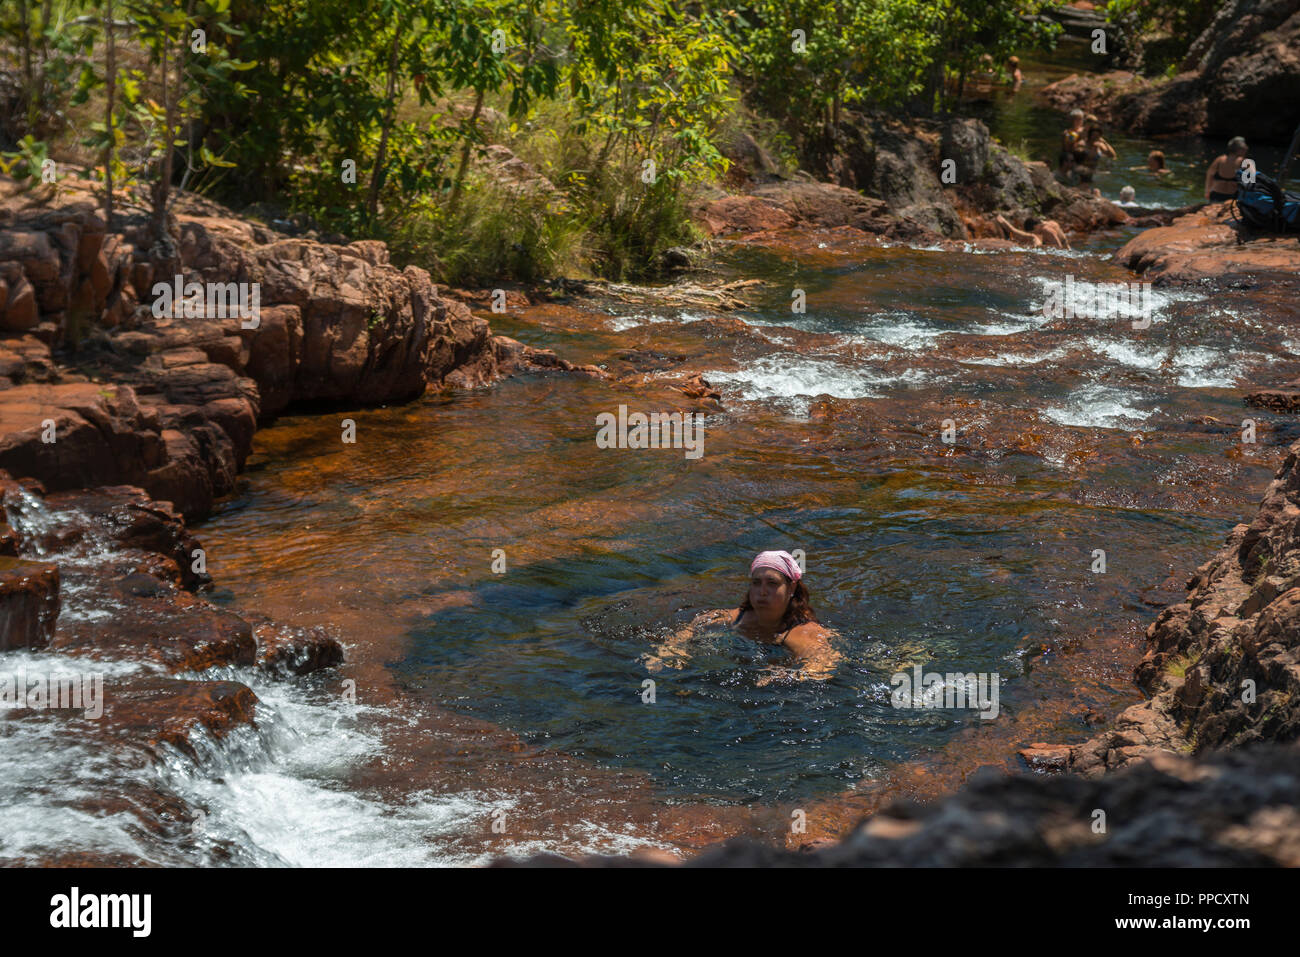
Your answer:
<point x="777" y="596"/>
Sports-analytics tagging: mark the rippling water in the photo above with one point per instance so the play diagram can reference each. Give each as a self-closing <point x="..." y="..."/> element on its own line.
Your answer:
<point x="1072" y="435"/>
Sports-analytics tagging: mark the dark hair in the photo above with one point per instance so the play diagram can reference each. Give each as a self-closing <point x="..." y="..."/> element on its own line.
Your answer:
<point x="797" y="612"/>
<point x="1158" y="156"/>
<point x="1031" y="222"/>
<point x="1238" y="145"/>
<point x="1091" y="130"/>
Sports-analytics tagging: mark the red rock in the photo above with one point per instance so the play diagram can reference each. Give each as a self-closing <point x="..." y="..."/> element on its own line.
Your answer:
<point x="1208" y="244"/>
<point x="148" y="711"/>
<point x="21" y="312"/>
<point x="285" y="650"/>
<point x="29" y="603"/>
<point x="153" y="620"/>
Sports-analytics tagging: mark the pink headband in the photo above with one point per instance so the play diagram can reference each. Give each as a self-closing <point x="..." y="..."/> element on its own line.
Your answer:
<point x="782" y="562"/>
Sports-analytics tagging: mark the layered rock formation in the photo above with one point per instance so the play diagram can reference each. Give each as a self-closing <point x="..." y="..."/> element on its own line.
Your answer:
<point x="118" y="421"/>
<point x="175" y="399"/>
<point x="1222" y="666"/>
<point x="1241" y="77"/>
<point x="887" y="180"/>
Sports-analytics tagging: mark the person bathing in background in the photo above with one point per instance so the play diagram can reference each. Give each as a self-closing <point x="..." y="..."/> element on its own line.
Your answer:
<point x="1221" y="177"/>
<point x="1127" y="197"/>
<point x="1094" y="149"/>
<point x="1072" y="140"/>
<point x="1048" y="231"/>
<point x="1068" y="173"/>
<point x="1037" y="232"/>
<point x="1155" y="164"/>
<point x="776" y="612"/>
<point x="1017" y="78"/>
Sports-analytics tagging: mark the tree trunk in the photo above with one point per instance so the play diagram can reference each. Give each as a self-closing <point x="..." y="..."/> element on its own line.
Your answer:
<point x="464" y="153"/>
<point x="110" y="88"/>
<point x="29" y="83"/>
<point x="381" y="155"/>
<point x="158" y="222"/>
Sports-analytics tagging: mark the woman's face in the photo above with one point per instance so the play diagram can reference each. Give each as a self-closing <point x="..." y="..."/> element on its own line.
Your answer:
<point x="770" y="592"/>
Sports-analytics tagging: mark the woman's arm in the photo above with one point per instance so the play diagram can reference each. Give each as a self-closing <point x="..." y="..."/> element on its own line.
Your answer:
<point x="1017" y="234"/>
<point x="810" y="643"/>
<point x="672" y="651"/>
<point x="1209" y="174"/>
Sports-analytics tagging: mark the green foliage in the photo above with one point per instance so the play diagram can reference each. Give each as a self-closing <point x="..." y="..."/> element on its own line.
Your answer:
<point x="802" y="60"/>
<point x="621" y="106"/>
<point x="1163" y="29"/>
<point x="498" y="232"/>
<point x="26" y="162"/>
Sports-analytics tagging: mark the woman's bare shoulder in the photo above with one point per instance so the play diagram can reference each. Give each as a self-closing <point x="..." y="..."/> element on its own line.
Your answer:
<point x="807" y="637"/>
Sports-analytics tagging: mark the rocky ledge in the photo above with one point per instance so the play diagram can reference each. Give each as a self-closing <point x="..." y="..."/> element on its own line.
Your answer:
<point x="118" y="423"/>
<point x="110" y="575"/>
<point x="886" y="180"/>
<point x="1212" y="245"/>
<point x="1241" y="77"/>
<point x="97" y="389"/>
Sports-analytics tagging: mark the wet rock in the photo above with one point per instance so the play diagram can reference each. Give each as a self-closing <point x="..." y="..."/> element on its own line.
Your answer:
<point x="1282" y="399"/>
<point x="285" y="650"/>
<point x="125" y="519"/>
<point x="151" y="620"/>
<point x="1046" y="757"/>
<point x="29" y="603"/>
<point x="148" y="711"/>
<point x="1234" y="809"/>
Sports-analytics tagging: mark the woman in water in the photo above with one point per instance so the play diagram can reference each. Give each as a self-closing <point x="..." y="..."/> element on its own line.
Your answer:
<point x="1095" y="148"/>
<point x="1155" y="164"/>
<point x="775" y="612"/>
<point x="1221" y="177"/>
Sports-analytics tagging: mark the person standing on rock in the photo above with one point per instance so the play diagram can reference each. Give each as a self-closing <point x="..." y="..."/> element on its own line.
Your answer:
<point x="1221" y="177"/>
<point x="776" y="612"/>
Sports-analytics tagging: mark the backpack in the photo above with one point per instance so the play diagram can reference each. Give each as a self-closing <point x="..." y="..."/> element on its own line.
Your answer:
<point x="1265" y="206"/>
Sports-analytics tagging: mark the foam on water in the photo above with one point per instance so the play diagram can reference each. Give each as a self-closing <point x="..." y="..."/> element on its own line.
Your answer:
<point x="634" y="319"/>
<point x="1097" y="406"/>
<point x="786" y="376"/>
